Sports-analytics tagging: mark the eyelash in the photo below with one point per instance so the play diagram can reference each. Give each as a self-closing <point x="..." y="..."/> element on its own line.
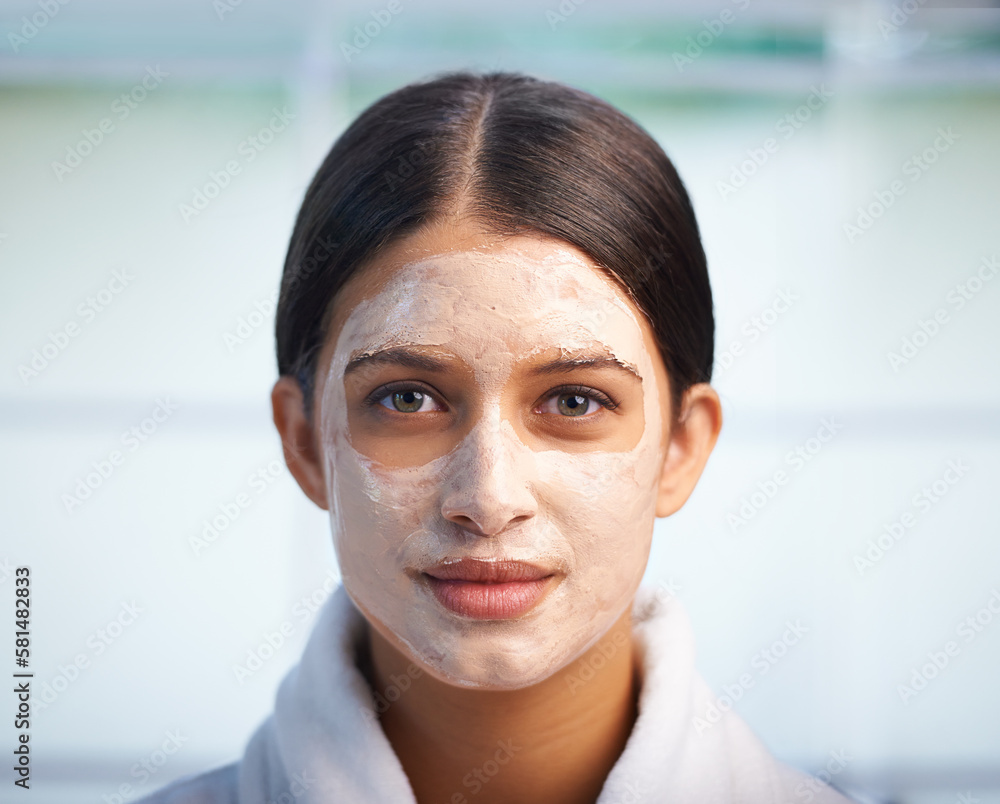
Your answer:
<point x="380" y="393"/>
<point x="375" y="397"/>
<point x="599" y="397"/>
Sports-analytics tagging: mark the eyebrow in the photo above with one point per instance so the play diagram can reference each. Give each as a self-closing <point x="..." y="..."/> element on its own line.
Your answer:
<point x="401" y="356"/>
<point x="396" y="356"/>
<point x="564" y="365"/>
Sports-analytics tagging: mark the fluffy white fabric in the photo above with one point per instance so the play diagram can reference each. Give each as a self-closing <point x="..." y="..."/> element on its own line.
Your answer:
<point x="324" y="744"/>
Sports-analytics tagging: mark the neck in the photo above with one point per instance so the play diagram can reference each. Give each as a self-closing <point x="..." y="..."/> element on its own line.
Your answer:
<point x="553" y="742"/>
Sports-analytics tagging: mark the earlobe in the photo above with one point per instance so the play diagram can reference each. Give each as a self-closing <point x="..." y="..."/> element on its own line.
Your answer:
<point x="691" y="442"/>
<point x="299" y="439"/>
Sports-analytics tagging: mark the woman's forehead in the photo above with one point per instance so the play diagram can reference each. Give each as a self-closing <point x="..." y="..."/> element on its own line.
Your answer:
<point x="450" y="238"/>
<point x="506" y="298"/>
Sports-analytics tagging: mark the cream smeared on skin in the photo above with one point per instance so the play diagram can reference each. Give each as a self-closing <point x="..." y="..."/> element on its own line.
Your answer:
<point x="588" y="515"/>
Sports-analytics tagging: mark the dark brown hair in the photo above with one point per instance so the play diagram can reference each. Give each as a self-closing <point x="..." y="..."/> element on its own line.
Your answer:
<point x="519" y="156"/>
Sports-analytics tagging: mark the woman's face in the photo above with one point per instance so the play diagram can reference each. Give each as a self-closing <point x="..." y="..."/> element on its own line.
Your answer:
<point x="493" y="416"/>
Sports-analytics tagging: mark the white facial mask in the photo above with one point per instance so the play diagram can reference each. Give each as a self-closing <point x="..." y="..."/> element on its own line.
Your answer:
<point x="588" y="514"/>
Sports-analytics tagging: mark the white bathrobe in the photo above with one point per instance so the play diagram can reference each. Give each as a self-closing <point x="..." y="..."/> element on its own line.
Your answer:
<point x="324" y="745"/>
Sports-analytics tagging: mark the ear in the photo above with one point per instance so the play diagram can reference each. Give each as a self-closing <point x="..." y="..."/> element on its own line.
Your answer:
<point x="299" y="439"/>
<point x="691" y="442"/>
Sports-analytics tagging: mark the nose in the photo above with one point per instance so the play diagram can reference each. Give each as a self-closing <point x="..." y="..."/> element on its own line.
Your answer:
<point x="490" y="478"/>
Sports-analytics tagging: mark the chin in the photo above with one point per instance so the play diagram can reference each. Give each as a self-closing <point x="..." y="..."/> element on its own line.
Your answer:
<point x="485" y="661"/>
<point x="485" y="672"/>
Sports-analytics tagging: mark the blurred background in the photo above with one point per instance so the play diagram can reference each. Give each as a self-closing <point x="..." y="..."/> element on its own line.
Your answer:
<point x="843" y="162"/>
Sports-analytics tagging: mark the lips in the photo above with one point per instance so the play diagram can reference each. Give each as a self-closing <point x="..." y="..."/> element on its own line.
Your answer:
<point x="488" y="590"/>
<point x="480" y="571"/>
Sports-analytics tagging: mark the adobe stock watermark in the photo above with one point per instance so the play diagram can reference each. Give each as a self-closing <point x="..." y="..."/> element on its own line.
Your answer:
<point x="663" y="593"/>
<point x="756" y="327"/>
<point x="249" y="149"/>
<point x="407" y="164"/>
<point x="297" y="786"/>
<point x="929" y="328"/>
<point x="657" y="261"/>
<point x="61" y="339"/>
<point x="224" y="7"/>
<point x="303" y="610"/>
<point x="398" y="685"/>
<point x="121" y="107"/>
<point x="634" y="792"/>
<point x="596" y="485"/>
<point x="914" y="169"/>
<point x="319" y="251"/>
<point x="566" y="9"/>
<point x="761" y="664"/>
<point x="477" y="779"/>
<point x="711" y="30"/>
<point x="104" y="468"/>
<point x="96" y="644"/>
<point x="364" y="35"/>
<point x="33" y="25"/>
<point x="923" y="501"/>
<point x="787" y="126"/>
<point x="938" y="660"/>
<point x="246" y="326"/>
<point x="900" y="15"/>
<point x="819" y="782"/>
<point x="259" y="481"/>
<point x="147" y="767"/>
<point x="587" y="668"/>
<point x="797" y="458"/>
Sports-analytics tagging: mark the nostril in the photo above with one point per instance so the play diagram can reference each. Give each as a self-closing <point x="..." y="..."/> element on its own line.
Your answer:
<point x="467" y="523"/>
<point x="486" y="527"/>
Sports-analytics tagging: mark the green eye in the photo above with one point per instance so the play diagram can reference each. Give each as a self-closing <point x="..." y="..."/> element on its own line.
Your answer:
<point x="407" y="401"/>
<point x="573" y="404"/>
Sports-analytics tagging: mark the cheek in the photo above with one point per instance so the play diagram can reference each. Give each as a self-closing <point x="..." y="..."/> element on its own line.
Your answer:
<point x="604" y="506"/>
<point x="376" y="509"/>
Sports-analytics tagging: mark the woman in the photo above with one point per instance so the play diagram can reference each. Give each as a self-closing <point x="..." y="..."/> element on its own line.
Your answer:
<point x="495" y="337"/>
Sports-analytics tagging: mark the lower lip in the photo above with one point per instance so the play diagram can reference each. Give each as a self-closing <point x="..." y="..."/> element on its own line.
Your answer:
<point x="489" y="601"/>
